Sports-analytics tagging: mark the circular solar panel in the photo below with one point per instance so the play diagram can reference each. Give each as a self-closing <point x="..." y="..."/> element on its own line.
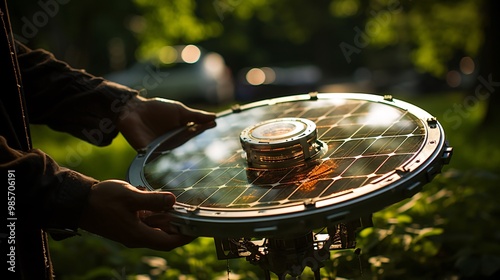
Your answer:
<point x="284" y="166"/>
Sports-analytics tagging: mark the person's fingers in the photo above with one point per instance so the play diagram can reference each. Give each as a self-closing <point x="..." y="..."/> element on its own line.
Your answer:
<point x="197" y="116"/>
<point x="135" y="198"/>
<point x="160" y="234"/>
<point x="186" y="113"/>
<point x="157" y="239"/>
<point x="155" y="117"/>
<point x="159" y="220"/>
<point x="153" y="201"/>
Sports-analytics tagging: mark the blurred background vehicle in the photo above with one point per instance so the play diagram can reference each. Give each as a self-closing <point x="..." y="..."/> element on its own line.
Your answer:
<point x="185" y="73"/>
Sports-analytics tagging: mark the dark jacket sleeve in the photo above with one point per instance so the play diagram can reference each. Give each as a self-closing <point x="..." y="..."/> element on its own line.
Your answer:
<point x="45" y="195"/>
<point x="70" y="100"/>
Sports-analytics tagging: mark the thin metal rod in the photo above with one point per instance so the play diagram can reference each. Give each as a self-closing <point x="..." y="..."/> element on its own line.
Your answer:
<point x="267" y="274"/>
<point x="317" y="274"/>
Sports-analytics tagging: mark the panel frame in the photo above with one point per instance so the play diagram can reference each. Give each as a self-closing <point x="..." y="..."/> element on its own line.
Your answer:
<point x="288" y="220"/>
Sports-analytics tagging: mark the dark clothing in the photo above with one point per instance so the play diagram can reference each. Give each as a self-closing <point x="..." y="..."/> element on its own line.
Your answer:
<point x="48" y="198"/>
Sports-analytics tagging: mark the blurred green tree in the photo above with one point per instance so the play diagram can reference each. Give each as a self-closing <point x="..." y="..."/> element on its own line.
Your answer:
<point x="338" y="35"/>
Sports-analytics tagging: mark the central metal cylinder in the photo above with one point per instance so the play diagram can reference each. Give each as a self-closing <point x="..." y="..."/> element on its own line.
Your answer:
<point x="280" y="143"/>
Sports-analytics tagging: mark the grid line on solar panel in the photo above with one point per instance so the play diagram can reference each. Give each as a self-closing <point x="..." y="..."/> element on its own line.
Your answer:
<point x="277" y="193"/>
<point x="281" y="193"/>
<point x="365" y="140"/>
<point x="242" y="196"/>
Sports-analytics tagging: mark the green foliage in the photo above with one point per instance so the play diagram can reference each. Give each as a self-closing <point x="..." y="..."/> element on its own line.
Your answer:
<point x="433" y="31"/>
<point x="344" y="8"/>
<point x="171" y="22"/>
<point x="439" y="31"/>
<point x="252" y="32"/>
<point x="449" y="229"/>
<point x="99" y="162"/>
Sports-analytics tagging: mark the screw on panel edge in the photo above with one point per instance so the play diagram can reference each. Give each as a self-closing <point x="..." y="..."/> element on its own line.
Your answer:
<point x="388" y="97"/>
<point x="432" y="122"/>
<point x="236" y="108"/>
<point x="313" y="95"/>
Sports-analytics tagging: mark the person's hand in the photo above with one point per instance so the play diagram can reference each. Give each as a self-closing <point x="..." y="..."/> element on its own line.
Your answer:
<point x="118" y="211"/>
<point x="144" y="120"/>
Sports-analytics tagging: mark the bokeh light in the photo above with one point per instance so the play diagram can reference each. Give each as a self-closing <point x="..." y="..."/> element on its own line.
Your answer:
<point x="467" y="65"/>
<point x="168" y="55"/>
<point x="190" y="54"/>
<point x="453" y="78"/>
<point x="255" y="76"/>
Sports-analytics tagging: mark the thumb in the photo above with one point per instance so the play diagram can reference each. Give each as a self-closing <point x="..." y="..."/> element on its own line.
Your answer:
<point x="154" y="201"/>
<point x="196" y="116"/>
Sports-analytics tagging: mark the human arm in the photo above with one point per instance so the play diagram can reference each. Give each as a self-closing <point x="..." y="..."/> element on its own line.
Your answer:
<point x="69" y="99"/>
<point x="45" y="195"/>
<point x="60" y="201"/>
<point x="95" y="110"/>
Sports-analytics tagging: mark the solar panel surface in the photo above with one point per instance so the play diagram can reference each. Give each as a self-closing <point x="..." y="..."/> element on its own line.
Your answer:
<point x="368" y="139"/>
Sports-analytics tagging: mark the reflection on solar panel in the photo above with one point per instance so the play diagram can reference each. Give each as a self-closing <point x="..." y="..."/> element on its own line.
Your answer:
<point x="366" y="140"/>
